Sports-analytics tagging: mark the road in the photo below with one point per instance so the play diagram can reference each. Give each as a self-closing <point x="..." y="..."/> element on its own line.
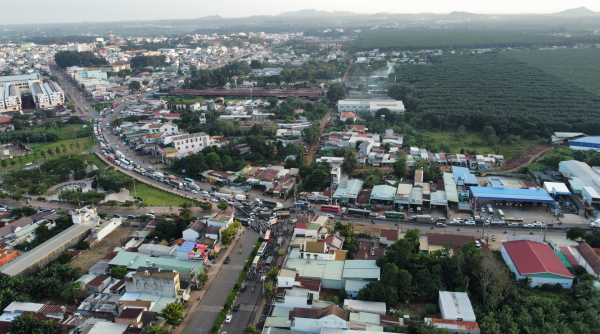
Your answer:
<point x="206" y="314"/>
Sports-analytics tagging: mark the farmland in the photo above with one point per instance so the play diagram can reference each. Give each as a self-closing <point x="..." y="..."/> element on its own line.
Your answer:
<point x="579" y="67"/>
<point x="492" y="89"/>
<point x="391" y="39"/>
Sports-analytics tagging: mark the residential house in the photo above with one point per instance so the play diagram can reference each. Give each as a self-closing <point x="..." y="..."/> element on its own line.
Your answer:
<point x="98" y="284"/>
<point x="159" y="282"/>
<point x="310" y="320"/>
<point x="166" y="128"/>
<point x="131" y="316"/>
<point x="389" y="237"/>
<point x="194" y="231"/>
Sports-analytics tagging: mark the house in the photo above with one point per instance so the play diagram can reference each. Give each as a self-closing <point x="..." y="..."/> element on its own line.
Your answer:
<point x="166" y="128"/>
<point x="456" y="306"/>
<point x="97" y="284"/>
<point x="194" y="231"/>
<point x="352" y="305"/>
<point x="309" y="320"/>
<point x="160" y="283"/>
<point x="388" y="237"/>
<point x="192" y="143"/>
<point x="131" y="316"/>
<point x="535" y="262"/>
<point x="348" y="116"/>
<point x="588" y="258"/>
<point x="454" y="326"/>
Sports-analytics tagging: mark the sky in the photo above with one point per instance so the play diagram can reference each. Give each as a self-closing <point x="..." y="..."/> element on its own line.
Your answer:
<point x="64" y="11"/>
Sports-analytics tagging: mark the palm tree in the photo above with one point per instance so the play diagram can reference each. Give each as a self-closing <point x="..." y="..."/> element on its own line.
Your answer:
<point x="186" y="212"/>
<point x="71" y="290"/>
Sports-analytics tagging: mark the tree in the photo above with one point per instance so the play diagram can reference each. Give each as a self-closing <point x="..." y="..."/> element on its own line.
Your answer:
<point x="223" y="206"/>
<point x="400" y="166"/>
<point x="116" y="123"/>
<point x="118" y="272"/>
<point x="251" y="330"/>
<point x="336" y="92"/>
<point x="350" y="163"/>
<point x="135" y="86"/>
<point x="65" y="258"/>
<point x="84" y="245"/>
<point x="157" y="329"/>
<point x="202" y="278"/>
<point x="173" y="313"/>
<point x="272" y="275"/>
<point x="575" y="232"/>
<point x="71" y="290"/>
<point x="128" y="204"/>
<point x="494" y="281"/>
<point x="27" y="324"/>
<point x="255" y="64"/>
<point x="111" y="203"/>
<point x="206" y="205"/>
<point x="225" y="237"/>
<point x="185" y="211"/>
<point x="269" y="291"/>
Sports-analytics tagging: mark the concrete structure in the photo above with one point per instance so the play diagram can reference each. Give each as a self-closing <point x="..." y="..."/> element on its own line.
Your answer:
<point x="161" y="283"/>
<point x="310" y="320"/>
<point x="365" y="306"/>
<point x="359" y="105"/>
<point x="192" y="143"/>
<point x="353" y="286"/>
<point x="131" y="316"/>
<point x="97" y="284"/>
<point x="581" y="175"/>
<point x="106" y="228"/>
<point x="456" y="306"/>
<point x="535" y="262"/>
<point x="194" y="231"/>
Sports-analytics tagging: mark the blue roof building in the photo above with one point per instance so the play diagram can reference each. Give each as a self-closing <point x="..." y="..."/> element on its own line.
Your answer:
<point x="586" y="143"/>
<point x="509" y="194"/>
<point x="463" y="176"/>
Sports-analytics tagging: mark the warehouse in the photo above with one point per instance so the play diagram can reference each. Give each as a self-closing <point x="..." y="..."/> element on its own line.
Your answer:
<point x="456" y="306"/>
<point x="348" y="193"/>
<point x="510" y="195"/>
<point x="383" y="194"/>
<point x="464" y="177"/>
<point x="585" y="143"/>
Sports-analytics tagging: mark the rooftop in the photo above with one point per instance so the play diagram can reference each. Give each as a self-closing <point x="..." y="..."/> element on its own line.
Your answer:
<point x="509" y="194"/>
<point x="535" y="258"/>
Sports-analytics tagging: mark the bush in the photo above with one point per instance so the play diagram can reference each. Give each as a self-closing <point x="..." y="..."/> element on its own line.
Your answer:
<point x="65" y="258"/>
<point x="432" y="308"/>
<point x="84" y="245"/>
<point x="579" y="270"/>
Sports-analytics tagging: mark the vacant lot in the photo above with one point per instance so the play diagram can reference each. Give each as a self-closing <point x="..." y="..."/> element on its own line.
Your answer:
<point x="86" y="260"/>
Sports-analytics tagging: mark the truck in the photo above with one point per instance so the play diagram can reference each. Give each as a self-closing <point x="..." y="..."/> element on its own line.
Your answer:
<point x="193" y="186"/>
<point x="137" y="170"/>
<point x="176" y="183"/>
<point x="265" y="214"/>
<point x="221" y="195"/>
<point x="119" y="155"/>
<point x="171" y="177"/>
<point x="283" y="214"/>
<point x="158" y="176"/>
<point x="424" y="218"/>
<point x="300" y="205"/>
<point x="271" y="204"/>
<point x="240" y="197"/>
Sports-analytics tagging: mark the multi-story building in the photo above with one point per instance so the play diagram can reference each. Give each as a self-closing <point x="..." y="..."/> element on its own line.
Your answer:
<point x="47" y="94"/>
<point x="192" y="143"/>
<point x="358" y="105"/>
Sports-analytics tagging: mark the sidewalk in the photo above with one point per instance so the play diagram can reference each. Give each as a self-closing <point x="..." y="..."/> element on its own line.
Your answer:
<point x="212" y="274"/>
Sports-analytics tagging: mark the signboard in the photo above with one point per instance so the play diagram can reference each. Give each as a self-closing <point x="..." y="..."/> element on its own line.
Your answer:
<point x="440" y="201"/>
<point x="349" y="194"/>
<point x="160" y="150"/>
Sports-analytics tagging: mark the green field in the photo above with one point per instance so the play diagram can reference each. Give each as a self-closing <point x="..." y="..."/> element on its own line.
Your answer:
<point x="577" y="67"/>
<point x="150" y="194"/>
<point x="389" y="39"/>
<point x="452" y="143"/>
<point x="515" y="98"/>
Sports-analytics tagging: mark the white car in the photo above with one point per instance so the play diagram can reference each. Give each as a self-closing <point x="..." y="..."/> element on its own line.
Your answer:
<point x="537" y="224"/>
<point x="470" y="222"/>
<point x="330" y="215"/>
<point x="455" y="221"/>
<point x="4" y="210"/>
<point x="228" y="318"/>
<point x="194" y="191"/>
<point x="528" y="225"/>
<point x="477" y="244"/>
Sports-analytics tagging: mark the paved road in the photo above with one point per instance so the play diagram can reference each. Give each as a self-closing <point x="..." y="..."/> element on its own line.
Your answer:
<point x="215" y="298"/>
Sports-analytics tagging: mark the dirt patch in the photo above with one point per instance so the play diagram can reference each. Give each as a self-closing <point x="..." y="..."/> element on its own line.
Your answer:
<point x="370" y="229"/>
<point x="416" y="308"/>
<point x="86" y="260"/>
<point x="527" y="157"/>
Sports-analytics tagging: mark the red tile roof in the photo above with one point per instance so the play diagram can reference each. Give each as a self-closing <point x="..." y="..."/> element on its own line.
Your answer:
<point x="535" y="258"/>
<point x="568" y="255"/>
<point x="98" y="280"/>
<point x="301" y="225"/>
<point x="391" y="235"/>
<point x="590" y="256"/>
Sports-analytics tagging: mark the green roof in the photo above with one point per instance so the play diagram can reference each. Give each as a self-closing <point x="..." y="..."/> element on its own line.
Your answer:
<point x="136" y="260"/>
<point x="313" y="227"/>
<point x="562" y="257"/>
<point x="221" y="218"/>
<point x="170" y="150"/>
<point x="323" y="269"/>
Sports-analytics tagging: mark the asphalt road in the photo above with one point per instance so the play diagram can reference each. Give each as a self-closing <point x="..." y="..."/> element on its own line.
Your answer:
<point x="215" y="298"/>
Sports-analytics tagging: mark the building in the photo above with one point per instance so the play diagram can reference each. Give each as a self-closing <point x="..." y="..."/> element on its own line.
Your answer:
<point x="160" y="283"/>
<point x="310" y="320"/>
<point x="166" y="128"/>
<point x="535" y="262"/>
<point x="456" y="306"/>
<point x="194" y="231"/>
<point x="352" y="305"/>
<point x="192" y="143"/>
<point x="580" y="175"/>
<point x="588" y="258"/>
<point x="131" y="316"/>
<point x="585" y="143"/>
<point x="120" y="65"/>
<point x="359" y="105"/>
<point x="97" y="284"/>
<point x="454" y="326"/>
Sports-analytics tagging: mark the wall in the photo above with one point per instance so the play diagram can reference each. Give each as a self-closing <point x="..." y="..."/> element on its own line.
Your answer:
<point x="152" y="285"/>
<point x="115" y="222"/>
<point x="190" y="235"/>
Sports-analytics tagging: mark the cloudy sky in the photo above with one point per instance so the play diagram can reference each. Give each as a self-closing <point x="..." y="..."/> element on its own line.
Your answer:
<point x="54" y="11"/>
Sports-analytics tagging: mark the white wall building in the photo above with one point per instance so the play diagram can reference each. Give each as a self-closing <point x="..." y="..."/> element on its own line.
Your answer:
<point x="360" y="105"/>
<point x="192" y="143"/>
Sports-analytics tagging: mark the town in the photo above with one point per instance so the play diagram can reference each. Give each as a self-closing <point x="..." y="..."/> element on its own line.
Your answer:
<point x="331" y="180"/>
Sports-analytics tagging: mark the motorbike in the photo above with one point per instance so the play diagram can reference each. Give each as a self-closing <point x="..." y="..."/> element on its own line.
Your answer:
<point x="372" y="221"/>
<point x="505" y="232"/>
<point x="530" y="232"/>
<point x="458" y="229"/>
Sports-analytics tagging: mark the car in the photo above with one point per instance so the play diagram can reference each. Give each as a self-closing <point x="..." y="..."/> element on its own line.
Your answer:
<point x="116" y="215"/>
<point x="214" y="200"/>
<point x="513" y="224"/>
<point x="204" y="192"/>
<point x="187" y="189"/>
<point x="28" y="164"/>
<point x="243" y="288"/>
<point x="374" y="215"/>
<point x="470" y="222"/>
<point x="206" y="197"/>
<point x="528" y="225"/>
<point x="228" y="318"/>
<point x="194" y="191"/>
<point x="483" y="209"/>
<point x="440" y="225"/>
<point x="236" y="307"/>
<point x="330" y="215"/>
<point x="246" y="204"/>
<point x="457" y="221"/>
<point x="538" y="224"/>
<point x="346" y="217"/>
<point x="226" y="261"/>
<point x="477" y="243"/>
<point x="493" y="238"/>
<point x="3" y="210"/>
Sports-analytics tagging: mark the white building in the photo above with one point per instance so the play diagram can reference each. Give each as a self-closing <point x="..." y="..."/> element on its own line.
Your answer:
<point x="311" y="320"/>
<point x="359" y="105"/>
<point x="166" y="128"/>
<point x="161" y="283"/>
<point x="84" y="215"/>
<point x="192" y="143"/>
<point x="456" y="306"/>
<point x="535" y="262"/>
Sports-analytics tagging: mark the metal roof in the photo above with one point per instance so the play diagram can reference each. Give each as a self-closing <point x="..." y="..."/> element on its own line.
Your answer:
<point x="508" y="194"/>
<point x="559" y="188"/>
<point x="456" y="306"/>
<point x="535" y="258"/>
<point x="323" y="269"/>
<point x="355" y="285"/>
<point x="464" y="174"/>
<point x="450" y="187"/>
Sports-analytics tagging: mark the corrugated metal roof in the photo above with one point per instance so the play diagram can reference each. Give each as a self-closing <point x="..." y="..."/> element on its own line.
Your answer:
<point x="507" y="194"/>
<point x="456" y="306"/>
<point x="535" y="258"/>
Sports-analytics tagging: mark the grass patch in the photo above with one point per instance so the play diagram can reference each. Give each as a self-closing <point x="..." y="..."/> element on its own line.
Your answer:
<point x="221" y="318"/>
<point x="158" y="197"/>
<point x="452" y="142"/>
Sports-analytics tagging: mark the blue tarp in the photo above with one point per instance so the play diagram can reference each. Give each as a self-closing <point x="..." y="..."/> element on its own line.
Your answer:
<point x="186" y="247"/>
<point x="508" y="194"/>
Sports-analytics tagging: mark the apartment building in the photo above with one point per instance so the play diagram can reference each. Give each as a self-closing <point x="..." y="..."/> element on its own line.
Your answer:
<point x="192" y="143"/>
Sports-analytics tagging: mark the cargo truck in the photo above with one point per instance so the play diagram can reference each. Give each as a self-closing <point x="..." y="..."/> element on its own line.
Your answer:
<point x="193" y="186"/>
<point x="283" y="214"/>
<point x="158" y="176"/>
<point x="220" y="195"/>
<point x="424" y="218"/>
<point x="119" y="155"/>
<point x="176" y="183"/>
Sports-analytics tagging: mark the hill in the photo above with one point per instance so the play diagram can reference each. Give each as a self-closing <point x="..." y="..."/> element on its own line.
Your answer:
<point x="577" y="12"/>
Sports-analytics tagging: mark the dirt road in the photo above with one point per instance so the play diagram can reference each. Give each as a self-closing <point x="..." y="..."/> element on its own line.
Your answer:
<point x="527" y="157"/>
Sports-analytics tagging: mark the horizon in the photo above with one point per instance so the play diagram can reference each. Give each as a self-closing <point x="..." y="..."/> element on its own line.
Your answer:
<point x="63" y="11"/>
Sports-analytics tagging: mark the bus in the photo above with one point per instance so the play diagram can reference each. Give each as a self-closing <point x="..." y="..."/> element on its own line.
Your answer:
<point x="500" y="213"/>
<point x="330" y="208"/>
<point x="508" y="220"/>
<point x="123" y="161"/>
<point x="394" y="215"/>
<point x="267" y="236"/>
<point x="359" y="212"/>
<point x="262" y="249"/>
<point x="188" y="180"/>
